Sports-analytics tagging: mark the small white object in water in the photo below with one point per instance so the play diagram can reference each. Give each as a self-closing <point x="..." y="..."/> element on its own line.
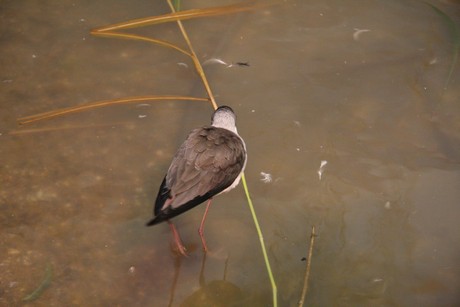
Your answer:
<point x="359" y="32"/>
<point x="266" y="177"/>
<point x="182" y="64"/>
<point x="321" y="168"/>
<point x="132" y="269"/>
<point x="388" y="205"/>
<point x="216" y="61"/>
<point x="142" y="116"/>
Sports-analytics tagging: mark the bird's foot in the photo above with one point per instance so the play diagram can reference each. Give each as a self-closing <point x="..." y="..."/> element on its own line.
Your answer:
<point x="179" y="249"/>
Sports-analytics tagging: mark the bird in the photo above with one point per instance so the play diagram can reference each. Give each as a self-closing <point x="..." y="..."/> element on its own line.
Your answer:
<point x="209" y="162"/>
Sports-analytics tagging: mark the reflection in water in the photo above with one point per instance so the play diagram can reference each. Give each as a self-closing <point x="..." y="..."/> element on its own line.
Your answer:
<point x="214" y="293"/>
<point x="76" y="191"/>
<point x="177" y="265"/>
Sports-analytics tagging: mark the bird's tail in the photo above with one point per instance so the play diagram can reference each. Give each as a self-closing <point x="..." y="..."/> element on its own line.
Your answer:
<point x="152" y="222"/>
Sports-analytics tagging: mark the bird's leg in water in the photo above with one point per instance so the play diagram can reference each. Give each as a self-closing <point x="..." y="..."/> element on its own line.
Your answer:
<point x="177" y="239"/>
<point x="201" y="229"/>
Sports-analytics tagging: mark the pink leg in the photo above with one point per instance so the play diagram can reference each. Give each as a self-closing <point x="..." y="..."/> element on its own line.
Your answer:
<point x="177" y="239"/>
<point x="201" y="229"/>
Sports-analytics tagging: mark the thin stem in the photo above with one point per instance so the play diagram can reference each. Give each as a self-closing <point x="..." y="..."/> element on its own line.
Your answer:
<point x="197" y="63"/>
<point x="262" y="244"/>
<point x="102" y="103"/>
<point x="141" y="38"/>
<point x="307" y="270"/>
<point x="181" y="15"/>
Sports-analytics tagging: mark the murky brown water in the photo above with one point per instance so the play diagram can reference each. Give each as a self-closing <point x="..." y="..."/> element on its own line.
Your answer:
<point x="76" y="191"/>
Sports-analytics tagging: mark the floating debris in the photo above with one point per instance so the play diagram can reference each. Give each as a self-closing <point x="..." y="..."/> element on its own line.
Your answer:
<point x="358" y="32"/>
<point x="321" y="168"/>
<point x="141" y="105"/>
<point x="388" y="205"/>
<point x="246" y="64"/>
<point x="215" y="61"/>
<point x="222" y="62"/>
<point x="266" y="177"/>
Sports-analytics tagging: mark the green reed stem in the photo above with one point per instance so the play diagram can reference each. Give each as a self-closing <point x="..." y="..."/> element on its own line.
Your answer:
<point x="176" y="5"/>
<point x="262" y="244"/>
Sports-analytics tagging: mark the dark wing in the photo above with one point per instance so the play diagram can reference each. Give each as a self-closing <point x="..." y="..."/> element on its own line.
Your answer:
<point x="208" y="162"/>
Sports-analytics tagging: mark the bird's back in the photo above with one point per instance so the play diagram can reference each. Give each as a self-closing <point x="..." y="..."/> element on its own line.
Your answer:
<point x="208" y="162"/>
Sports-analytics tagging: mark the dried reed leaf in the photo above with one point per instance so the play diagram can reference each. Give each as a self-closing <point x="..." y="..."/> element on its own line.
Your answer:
<point x="180" y="15"/>
<point x="102" y="103"/>
<point x="141" y="38"/>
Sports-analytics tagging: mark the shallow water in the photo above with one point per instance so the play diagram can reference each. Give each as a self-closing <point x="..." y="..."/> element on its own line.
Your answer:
<point x="377" y="105"/>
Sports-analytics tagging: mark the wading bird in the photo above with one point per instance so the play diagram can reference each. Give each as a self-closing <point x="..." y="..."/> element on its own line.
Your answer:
<point x="209" y="162"/>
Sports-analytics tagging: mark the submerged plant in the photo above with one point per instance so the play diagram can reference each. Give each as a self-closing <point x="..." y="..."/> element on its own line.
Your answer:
<point x="46" y="282"/>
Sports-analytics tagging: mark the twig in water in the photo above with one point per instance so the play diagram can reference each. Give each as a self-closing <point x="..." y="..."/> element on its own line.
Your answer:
<point x="307" y="270"/>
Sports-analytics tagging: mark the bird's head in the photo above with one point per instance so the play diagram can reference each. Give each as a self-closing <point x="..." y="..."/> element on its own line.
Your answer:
<point x="224" y="117"/>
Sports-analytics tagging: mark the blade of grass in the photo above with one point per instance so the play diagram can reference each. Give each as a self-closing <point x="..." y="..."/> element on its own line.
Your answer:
<point x="261" y="239"/>
<point x="177" y="16"/>
<point x="99" y="104"/>
<point x="141" y="38"/>
<point x="196" y="62"/>
<point x="21" y="132"/>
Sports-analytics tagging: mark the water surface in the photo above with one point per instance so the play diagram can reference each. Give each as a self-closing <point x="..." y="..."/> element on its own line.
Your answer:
<point x="361" y="85"/>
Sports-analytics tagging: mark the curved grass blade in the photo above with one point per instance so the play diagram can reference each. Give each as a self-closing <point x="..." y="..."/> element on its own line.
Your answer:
<point x="181" y="15"/>
<point x="99" y="104"/>
<point x="42" y="287"/>
<point x="141" y="38"/>
<point x="196" y="62"/>
<point x="455" y="32"/>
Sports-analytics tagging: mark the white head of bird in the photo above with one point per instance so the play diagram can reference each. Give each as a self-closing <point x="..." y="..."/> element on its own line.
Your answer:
<point x="224" y="117"/>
